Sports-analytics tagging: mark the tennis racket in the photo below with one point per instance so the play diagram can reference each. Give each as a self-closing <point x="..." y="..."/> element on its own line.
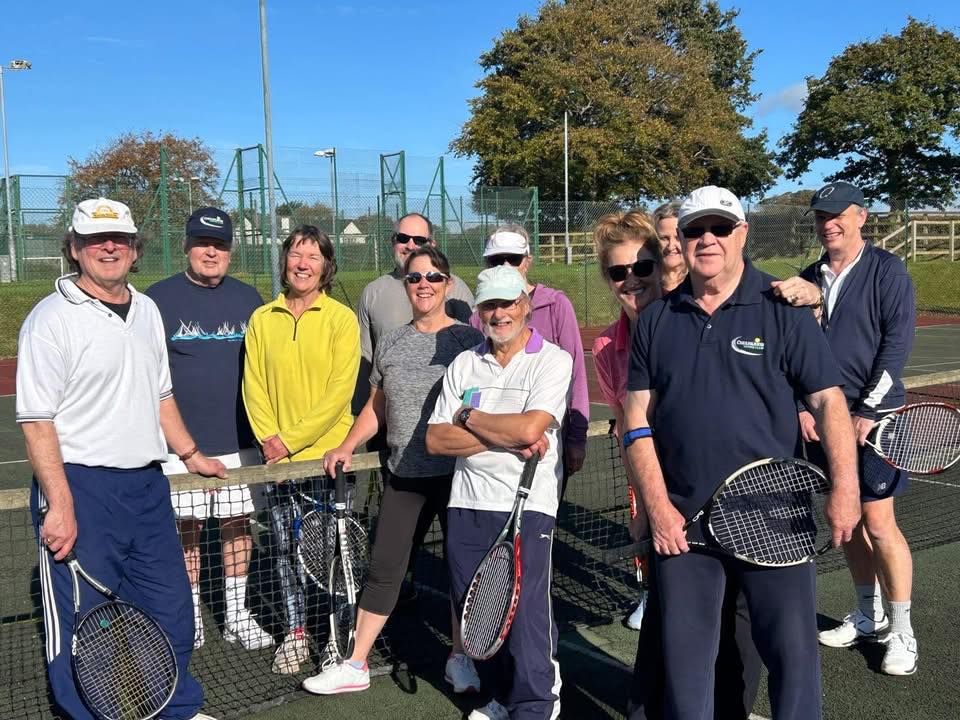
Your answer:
<point x="123" y="662"/>
<point x="922" y="438"/>
<point x="492" y="597"/>
<point x="342" y="584"/>
<point x="638" y="561"/>
<point x="768" y="512"/>
<point x="317" y="540"/>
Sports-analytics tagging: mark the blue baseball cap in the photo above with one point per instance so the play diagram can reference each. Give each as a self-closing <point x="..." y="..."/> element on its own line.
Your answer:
<point x="836" y="197"/>
<point x="212" y="223"/>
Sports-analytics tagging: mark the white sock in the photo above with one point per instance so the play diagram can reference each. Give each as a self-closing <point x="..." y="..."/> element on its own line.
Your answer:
<point x="235" y="590"/>
<point x="870" y="601"/>
<point x="900" y="618"/>
<point x="197" y="617"/>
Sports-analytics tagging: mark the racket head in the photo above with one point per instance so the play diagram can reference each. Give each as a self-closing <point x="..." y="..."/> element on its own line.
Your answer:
<point x="343" y="609"/>
<point x="491" y="601"/>
<point x="316" y="544"/>
<point x="771" y="513"/>
<point x="922" y="438"/>
<point x="123" y="663"/>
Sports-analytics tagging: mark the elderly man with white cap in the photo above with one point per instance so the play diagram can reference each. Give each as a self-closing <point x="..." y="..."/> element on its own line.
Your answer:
<point x="95" y="402"/>
<point x="715" y="370"/>
<point x="502" y="401"/>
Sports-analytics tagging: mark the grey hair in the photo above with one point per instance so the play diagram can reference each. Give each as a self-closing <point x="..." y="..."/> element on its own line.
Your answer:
<point x="667" y="210"/>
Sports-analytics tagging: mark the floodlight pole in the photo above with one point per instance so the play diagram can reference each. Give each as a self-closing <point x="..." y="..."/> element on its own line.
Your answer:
<point x="11" y="238"/>
<point x="568" y="252"/>
<point x="268" y="133"/>
<point x="330" y="153"/>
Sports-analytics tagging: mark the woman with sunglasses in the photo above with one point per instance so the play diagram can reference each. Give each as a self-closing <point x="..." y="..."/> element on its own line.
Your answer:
<point x="405" y="380"/>
<point x="628" y="248"/>
<point x="673" y="269"/>
<point x="300" y="368"/>
<point x="553" y="317"/>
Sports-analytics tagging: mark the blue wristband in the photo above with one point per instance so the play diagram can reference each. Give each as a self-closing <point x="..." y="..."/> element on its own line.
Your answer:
<point x="630" y="435"/>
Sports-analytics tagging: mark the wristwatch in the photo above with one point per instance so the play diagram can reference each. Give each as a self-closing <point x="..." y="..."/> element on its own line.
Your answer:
<point x="463" y="416"/>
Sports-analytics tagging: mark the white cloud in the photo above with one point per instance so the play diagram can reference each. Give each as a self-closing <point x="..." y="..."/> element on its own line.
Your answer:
<point x="790" y="98"/>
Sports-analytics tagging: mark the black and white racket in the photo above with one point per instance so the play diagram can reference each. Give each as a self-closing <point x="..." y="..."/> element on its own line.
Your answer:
<point x="316" y="536"/>
<point x="922" y="438"/>
<point x="768" y="512"/>
<point x="343" y="584"/>
<point x="492" y="597"/>
<point x="123" y="662"/>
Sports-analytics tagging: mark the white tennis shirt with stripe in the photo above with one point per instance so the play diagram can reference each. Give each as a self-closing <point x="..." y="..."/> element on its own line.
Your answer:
<point x="536" y="378"/>
<point x="98" y="378"/>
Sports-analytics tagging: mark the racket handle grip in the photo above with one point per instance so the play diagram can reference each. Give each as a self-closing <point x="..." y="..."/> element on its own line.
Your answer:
<point x="339" y="485"/>
<point x="627" y="551"/>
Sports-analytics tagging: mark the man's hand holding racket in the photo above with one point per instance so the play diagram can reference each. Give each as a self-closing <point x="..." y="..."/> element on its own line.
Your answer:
<point x="59" y="529"/>
<point x="667" y="529"/>
<point x="538" y="448"/>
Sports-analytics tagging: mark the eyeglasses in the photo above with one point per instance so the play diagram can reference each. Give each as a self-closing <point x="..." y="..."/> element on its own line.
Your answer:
<point x="402" y="239"/>
<point x="692" y="232"/>
<point x="641" y="268"/>
<point x="432" y="277"/>
<point x="490" y="305"/>
<point x="96" y="241"/>
<point x="498" y="260"/>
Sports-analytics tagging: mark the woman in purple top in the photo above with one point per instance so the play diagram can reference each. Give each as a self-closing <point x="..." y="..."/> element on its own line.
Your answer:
<point x="554" y="318"/>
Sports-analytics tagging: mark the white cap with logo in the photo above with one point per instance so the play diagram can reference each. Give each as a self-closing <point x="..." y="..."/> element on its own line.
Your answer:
<point x="92" y="217"/>
<point x="710" y="200"/>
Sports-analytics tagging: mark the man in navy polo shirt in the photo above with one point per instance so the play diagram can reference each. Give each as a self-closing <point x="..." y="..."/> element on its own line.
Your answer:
<point x="205" y="315"/>
<point x="715" y="369"/>
<point x="864" y="299"/>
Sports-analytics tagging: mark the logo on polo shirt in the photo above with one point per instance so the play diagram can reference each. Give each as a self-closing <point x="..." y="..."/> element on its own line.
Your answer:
<point x="753" y="348"/>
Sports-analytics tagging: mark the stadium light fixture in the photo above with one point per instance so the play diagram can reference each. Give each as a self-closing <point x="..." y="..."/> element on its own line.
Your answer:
<point x="11" y="240"/>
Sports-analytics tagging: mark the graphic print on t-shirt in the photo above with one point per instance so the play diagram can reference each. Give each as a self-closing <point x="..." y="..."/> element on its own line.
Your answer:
<point x="193" y="331"/>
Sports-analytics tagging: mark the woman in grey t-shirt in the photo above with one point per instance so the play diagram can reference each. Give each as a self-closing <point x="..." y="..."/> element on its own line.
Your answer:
<point x="406" y="379"/>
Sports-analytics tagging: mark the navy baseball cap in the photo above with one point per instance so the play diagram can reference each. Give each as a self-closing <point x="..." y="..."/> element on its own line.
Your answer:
<point x="836" y="197"/>
<point x="209" y="222"/>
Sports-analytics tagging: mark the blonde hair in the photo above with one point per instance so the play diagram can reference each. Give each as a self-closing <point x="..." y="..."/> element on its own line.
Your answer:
<point x="620" y="227"/>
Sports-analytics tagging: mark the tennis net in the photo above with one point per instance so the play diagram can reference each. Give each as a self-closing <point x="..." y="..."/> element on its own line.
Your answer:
<point x="592" y="519"/>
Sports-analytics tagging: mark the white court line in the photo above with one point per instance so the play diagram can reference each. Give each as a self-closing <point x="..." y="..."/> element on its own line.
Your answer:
<point x="932" y="482"/>
<point x="924" y="365"/>
<point x="12" y="462"/>
<point x="10" y="395"/>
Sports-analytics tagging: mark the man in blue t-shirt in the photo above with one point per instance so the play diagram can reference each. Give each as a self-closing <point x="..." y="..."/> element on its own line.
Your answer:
<point x="205" y="316"/>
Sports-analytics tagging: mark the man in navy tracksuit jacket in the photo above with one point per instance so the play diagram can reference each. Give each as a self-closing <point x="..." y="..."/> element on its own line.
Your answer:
<point x="864" y="300"/>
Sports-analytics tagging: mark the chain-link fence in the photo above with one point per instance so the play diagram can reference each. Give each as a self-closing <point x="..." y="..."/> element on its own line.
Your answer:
<point x="358" y="202"/>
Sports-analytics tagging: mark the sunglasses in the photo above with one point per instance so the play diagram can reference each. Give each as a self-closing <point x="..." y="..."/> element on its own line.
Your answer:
<point x="692" y="232"/>
<point x="641" y="268"/>
<point x="96" y="241"/>
<point x="490" y="305"/>
<point x="498" y="260"/>
<point x="433" y="277"/>
<point x="402" y="239"/>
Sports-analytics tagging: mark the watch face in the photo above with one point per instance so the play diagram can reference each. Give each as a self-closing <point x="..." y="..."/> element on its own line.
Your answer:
<point x="464" y="414"/>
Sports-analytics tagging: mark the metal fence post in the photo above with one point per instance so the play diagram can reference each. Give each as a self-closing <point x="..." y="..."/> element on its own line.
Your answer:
<point x="164" y="214"/>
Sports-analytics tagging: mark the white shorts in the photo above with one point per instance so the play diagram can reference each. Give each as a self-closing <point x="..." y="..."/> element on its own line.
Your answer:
<point x="227" y="502"/>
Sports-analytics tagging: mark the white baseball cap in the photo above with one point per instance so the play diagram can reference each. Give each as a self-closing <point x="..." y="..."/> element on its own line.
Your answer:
<point x="710" y="200"/>
<point x="502" y="282"/>
<point x="93" y="217"/>
<point x="506" y="242"/>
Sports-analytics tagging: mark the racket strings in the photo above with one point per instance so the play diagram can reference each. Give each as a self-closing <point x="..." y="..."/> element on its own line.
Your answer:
<point x="124" y="665"/>
<point x="922" y="439"/>
<point x="318" y="542"/>
<point x="488" y="601"/>
<point x="771" y="513"/>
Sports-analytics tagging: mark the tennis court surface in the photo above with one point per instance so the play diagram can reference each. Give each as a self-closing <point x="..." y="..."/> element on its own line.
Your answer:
<point x="590" y="599"/>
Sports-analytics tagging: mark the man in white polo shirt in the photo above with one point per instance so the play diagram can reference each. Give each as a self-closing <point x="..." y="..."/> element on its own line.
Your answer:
<point x="96" y="407"/>
<point x="501" y="402"/>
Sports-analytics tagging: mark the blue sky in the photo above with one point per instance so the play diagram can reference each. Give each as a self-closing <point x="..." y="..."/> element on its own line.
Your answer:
<point x="366" y="77"/>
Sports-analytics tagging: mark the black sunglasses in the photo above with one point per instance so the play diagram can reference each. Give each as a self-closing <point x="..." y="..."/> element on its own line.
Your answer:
<point x="402" y="239"/>
<point x="414" y="278"/>
<point x="498" y="260"/>
<point x="641" y="268"/>
<point x="692" y="232"/>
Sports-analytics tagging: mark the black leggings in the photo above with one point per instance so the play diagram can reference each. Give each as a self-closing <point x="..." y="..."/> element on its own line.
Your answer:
<point x="405" y="501"/>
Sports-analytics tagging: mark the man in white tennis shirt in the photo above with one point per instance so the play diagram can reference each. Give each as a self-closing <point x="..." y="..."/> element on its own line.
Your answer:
<point x="501" y="402"/>
<point x="96" y="406"/>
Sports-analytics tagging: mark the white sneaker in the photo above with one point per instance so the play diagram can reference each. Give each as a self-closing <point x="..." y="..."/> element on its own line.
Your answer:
<point x="901" y="655"/>
<point x="491" y="711"/>
<point x="203" y="716"/>
<point x="635" y="620"/>
<point x="245" y="630"/>
<point x="461" y="673"/>
<point x="342" y="678"/>
<point x="855" y="627"/>
<point x="291" y="654"/>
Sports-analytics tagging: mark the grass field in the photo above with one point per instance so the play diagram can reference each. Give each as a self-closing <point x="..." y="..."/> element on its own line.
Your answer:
<point x="937" y="283"/>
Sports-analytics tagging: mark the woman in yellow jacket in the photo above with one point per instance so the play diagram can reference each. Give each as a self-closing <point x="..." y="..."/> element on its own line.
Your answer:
<point x="300" y="368"/>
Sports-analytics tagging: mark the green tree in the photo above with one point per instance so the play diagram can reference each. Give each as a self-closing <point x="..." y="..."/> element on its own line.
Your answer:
<point x="654" y="93"/>
<point x="890" y="110"/>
